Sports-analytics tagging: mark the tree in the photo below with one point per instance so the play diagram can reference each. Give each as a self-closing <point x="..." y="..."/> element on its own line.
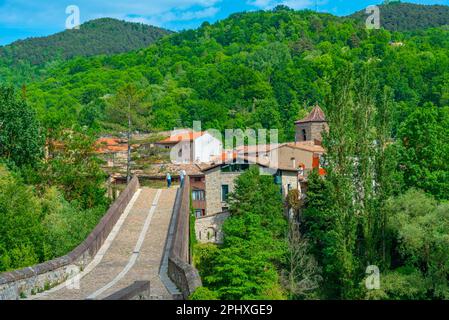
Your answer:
<point x="125" y="109"/>
<point x="301" y="277"/>
<point x="317" y="215"/>
<point x="203" y="293"/>
<point x="340" y="262"/>
<point x="419" y="225"/>
<point x="20" y="140"/>
<point x="76" y="170"/>
<point x="247" y="265"/>
<point x="424" y="153"/>
<point x="21" y="234"/>
<point x="294" y="203"/>
<point x="344" y="214"/>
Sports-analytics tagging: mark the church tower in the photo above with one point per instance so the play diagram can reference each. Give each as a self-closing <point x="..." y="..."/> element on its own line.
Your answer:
<point x="311" y="127"/>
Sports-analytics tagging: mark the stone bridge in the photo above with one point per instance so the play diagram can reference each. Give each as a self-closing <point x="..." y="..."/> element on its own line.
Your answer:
<point x="139" y="250"/>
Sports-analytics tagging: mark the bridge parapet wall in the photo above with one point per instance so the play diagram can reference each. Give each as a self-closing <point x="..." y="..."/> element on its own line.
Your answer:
<point x="28" y="281"/>
<point x="180" y="269"/>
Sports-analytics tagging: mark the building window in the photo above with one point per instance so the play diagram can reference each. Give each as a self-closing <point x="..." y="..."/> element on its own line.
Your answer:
<point x="198" y="195"/>
<point x="293" y="160"/>
<point x="224" y="193"/>
<point x="278" y="178"/>
<point x="200" y="213"/>
<point x="198" y="179"/>
<point x="304" y="135"/>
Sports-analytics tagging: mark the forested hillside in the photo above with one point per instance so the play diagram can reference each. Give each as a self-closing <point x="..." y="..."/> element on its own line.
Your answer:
<point x="23" y="59"/>
<point x="258" y="69"/>
<point x="398" y="16"/>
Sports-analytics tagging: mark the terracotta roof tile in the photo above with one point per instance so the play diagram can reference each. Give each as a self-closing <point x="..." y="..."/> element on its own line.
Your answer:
<point x="182" y="137"/>
<point x="111" y="145"/>
<point x="316" y="115"/>
<point x="307" y="146"/>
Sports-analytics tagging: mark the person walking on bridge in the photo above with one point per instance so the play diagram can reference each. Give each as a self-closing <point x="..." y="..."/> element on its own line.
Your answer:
<point x="168" y="180"/>
<point x="182" y="175"/>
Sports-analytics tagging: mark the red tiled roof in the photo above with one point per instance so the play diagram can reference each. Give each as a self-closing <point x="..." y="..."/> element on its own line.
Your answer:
<point x="316" y="115"/>
<point x="310" y="146"/>
<point x="106" y="145"/>
<point x="182" y="137"/>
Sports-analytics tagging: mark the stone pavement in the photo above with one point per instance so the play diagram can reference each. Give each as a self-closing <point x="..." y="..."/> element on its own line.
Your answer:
<point x="132" y="252"/>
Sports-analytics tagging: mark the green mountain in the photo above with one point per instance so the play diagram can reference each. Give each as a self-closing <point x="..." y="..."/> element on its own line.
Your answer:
<point x="256" y="69"/>
<point x="397" y="16"/>
<point x="96" y="37"/>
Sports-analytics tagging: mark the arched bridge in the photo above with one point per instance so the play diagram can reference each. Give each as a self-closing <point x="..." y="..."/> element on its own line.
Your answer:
<point x="139" y="250"/>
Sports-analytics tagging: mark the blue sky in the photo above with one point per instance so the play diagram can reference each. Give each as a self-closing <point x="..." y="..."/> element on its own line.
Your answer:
<point x="20" y="19"/>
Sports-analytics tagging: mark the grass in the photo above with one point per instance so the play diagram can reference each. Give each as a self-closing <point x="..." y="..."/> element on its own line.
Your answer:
<point x="156" y="184"/>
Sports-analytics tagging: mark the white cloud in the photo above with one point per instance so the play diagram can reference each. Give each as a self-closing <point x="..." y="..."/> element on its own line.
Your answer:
<point x="294" y="4"/>
<point x="173" y="16"/>
<point x="264" y="4"/>
<point x="206" y="13"/>
<point x="297" y="4"/>
<point x="26" y="13"/>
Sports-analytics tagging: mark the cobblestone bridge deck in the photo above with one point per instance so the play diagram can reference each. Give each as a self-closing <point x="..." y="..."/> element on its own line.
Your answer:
<point x="133" y="251"/>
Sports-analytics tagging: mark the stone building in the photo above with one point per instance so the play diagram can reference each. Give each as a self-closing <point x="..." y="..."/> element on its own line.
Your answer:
<point x="198" y="190"/>
<point x="311" y="127"/>
<point x="288" y="163"/>
<point x="209" y="228"/>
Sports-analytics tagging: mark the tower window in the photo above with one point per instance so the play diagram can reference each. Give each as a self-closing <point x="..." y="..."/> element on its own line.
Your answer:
<point x="304" y="135"/>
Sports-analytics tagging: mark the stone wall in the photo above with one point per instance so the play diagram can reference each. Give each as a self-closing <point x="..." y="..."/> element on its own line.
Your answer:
<point x="210" y="229"/>
<point x="313" y="130"/>
<point x="318" y="129"/>
<point x="184" y="275"/>
<point x="214" y="180"/>
<point x="289" y="177"/>
<point x="180" y="270"/>
<point x="139" y="290"/>
<point x="25" y="282"/>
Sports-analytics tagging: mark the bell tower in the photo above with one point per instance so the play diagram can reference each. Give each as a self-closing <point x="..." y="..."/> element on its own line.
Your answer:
<point x="311" y="127"/>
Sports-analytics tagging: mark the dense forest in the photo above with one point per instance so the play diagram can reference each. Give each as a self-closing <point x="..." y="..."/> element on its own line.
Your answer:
<point x="25" y="60"/>
<point x="258" y="69"/>
<point x="382" y="204"/>
<point x="397" y="16"/>
<point x="51" y="194"/>
<point x="383" y="200"/>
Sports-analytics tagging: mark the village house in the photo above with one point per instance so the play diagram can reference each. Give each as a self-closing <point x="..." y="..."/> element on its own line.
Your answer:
<point x="186" y="146"/>
<point x="114" y="151"/>
<point x="288" y="163"/>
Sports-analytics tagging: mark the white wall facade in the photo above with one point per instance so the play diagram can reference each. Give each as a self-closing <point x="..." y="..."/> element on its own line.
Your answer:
<point x="206" y="147"/>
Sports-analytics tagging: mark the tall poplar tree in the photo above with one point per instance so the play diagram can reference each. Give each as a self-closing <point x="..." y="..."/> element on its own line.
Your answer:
<point x="340" y="262"/>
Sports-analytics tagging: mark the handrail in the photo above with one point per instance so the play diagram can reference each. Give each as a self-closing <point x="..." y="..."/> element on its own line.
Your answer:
<point x="180" y="270"/>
